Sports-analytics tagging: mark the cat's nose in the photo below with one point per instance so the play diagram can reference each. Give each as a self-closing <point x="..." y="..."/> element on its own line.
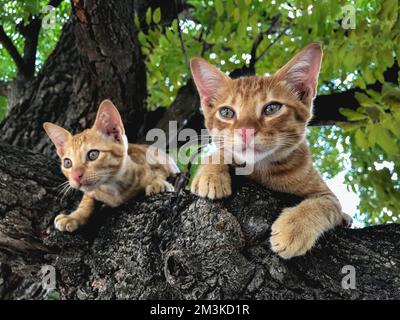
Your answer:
<point x="247" y="135"/>
<point x="77" y="176"/>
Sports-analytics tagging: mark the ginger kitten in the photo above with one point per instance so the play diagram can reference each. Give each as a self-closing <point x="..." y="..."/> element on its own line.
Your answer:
<point x="267" y="118"/>
<point x="100" y="162"/>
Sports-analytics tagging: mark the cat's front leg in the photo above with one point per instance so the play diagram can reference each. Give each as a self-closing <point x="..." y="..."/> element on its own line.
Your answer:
<point x="297" y="229"/>
<point x="77" y="218"/>
<point x="212" y="181"/>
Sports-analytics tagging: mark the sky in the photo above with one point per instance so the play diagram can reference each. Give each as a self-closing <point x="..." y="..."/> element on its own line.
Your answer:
<point x="348" y="199"/>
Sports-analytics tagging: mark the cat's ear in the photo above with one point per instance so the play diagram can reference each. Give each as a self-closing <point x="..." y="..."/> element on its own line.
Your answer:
<point x="108" y="121"/>
<point x="301" y="72"/>
<point x="59" y="136"/>
<point x="208" y="79"/>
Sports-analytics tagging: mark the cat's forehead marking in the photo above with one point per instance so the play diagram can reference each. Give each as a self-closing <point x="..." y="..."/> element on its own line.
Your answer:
<point x="251" y="88"/>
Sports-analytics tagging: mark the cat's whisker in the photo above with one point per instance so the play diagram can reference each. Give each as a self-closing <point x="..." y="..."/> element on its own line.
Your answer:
<point x="65" y="187"/>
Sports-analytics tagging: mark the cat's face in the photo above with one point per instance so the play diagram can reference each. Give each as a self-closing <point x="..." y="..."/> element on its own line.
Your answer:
<point x="94" y="156"/>
<point x="259" y="117"/>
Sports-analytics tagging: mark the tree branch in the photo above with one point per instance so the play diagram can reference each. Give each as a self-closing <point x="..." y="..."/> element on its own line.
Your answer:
<point x="31" y="35"/>
<point x="326" y="107"/>
<point x="11" y="49"/>
<point x="265" y="51"/>
<point x="260" y="38"/>
<point x="183" y="48"/>
<point x="192" y="248"/>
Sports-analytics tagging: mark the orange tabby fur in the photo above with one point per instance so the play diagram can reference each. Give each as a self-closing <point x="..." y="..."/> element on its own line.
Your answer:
<point x="282" y="160"/>
<point x="119" y="173"/>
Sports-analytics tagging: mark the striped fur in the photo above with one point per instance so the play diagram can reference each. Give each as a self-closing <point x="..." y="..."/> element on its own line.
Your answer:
<point x="284" y="162"/>
<point x="119" y="173"/>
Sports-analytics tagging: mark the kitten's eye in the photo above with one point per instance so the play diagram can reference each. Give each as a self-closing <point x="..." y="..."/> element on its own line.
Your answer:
<point x="226" y="113"/>
<point x="67" y="163"/>
<point x="271" y="108"/>
<point x="93" y="155"/>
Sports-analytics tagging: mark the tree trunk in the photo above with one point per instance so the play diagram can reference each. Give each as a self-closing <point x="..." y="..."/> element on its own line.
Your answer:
<point x="97" y="57"/>
<point x="175" y="247"/>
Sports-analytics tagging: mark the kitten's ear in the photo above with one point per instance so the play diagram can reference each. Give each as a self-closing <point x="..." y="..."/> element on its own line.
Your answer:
<point x="108" y="121"/>
<point x="208" y="80"/>
<point x="58" y="135"/>
<point x="301" y="72"/>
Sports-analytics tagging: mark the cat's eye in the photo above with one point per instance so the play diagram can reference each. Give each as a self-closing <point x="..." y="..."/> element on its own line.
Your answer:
<point x="227" y="113"/>
<point x="271" y="108"/>
<point x="67" y="163"/>
<point x="93" y="155"/>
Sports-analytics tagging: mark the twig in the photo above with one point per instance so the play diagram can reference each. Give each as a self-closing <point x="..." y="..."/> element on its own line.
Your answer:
<point x="180" y="36"/>
<point x="11" y="49"/>
<point x="271" y="44"/>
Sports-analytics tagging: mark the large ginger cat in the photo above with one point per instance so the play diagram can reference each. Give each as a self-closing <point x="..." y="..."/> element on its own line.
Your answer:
<point x="100" y="162"/>
<point x="267" y="117"/>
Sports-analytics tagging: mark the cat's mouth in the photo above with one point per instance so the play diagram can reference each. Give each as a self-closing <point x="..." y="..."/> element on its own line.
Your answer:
<point x="85" y="186"/>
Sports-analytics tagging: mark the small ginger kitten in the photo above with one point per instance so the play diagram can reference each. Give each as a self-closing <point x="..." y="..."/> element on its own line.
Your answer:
<point x="100" y="162"/>
<point x="267" y="117"/>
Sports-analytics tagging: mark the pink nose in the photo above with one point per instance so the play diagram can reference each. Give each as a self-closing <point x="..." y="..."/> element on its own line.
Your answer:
<point x="77" y="176"/>
<point x="247" y="135"/>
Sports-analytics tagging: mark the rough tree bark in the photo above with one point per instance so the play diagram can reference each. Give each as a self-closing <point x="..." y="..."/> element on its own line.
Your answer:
<point x="171" y="247"/>
<point x="97" y="57"/>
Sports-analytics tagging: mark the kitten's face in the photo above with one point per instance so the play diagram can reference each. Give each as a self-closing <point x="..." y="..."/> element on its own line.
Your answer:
<point x="95" y="156"/>
<point x="259" y="117"/>
<point x="90" y="160"/>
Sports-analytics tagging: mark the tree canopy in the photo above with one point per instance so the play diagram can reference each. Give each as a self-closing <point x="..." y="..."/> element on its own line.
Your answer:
<point x="244" y="37"/>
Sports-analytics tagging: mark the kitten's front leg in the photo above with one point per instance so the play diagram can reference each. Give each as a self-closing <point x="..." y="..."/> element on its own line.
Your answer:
<point x="77" y="218"/>
<point x="212" y="181"/>
<point x="297" y="229"/>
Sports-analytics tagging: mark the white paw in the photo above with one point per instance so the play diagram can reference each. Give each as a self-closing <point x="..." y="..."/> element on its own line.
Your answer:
<point x="291" y="236"/>
<point x="159" y="186"/>
<point x="213" y="186"/>
<point x="66" y="223"/>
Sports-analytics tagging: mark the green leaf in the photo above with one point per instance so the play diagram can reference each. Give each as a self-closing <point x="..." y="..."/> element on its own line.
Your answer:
<point x="363" y="99"/>
<point x="385" y="140"/>
<point x="361" y="139"/>
<point x="371" y="135"/>
<point x="352" y="115"/>
<point x="350" y="126"/>
<point x="157" y="15"/>
<point x="32" y="6"/>
<point x="53" y="295"/>
<point x="148" y="16"/>
<point x="136" y="20"/>
<point x="219" y="7"/>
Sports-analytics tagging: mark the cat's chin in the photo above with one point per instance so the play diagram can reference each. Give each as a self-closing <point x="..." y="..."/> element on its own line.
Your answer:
<point x="88" y="188"/>
<point x="252" y="157"/>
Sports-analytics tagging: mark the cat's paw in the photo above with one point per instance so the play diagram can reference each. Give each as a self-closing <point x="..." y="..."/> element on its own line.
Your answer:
<point x="65" y="222"/>
<point x="210" y="185"/>
<point x="158" y="186"/>
<point x="347" y="220"/>
<point x="291" y="236"/>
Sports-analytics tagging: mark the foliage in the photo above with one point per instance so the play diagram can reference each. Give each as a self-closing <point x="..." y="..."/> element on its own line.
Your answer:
<point x="374" y="135"/>
<point x="225" y="31"/>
